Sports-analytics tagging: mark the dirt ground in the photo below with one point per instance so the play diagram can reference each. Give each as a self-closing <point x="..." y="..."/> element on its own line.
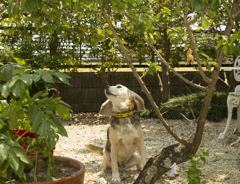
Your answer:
<point x="221" y="166"/>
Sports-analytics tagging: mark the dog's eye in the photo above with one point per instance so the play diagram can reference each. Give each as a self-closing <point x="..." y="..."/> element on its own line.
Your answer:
<point x="119" y="86"/>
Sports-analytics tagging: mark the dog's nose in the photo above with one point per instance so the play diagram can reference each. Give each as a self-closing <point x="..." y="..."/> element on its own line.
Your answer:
<point x="107" y="87"/>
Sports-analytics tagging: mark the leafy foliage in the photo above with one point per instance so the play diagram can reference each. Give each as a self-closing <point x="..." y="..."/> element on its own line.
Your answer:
<point x="35" y="113"/>
<point x="190" y="106"/>
<point x="193" y="172"/>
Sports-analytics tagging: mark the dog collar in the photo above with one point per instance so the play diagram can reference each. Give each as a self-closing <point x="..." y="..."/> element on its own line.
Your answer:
<point x="124" y="115"/>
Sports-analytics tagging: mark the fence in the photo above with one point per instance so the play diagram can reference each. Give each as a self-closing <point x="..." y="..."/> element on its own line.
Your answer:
<point x="86" y="93"/>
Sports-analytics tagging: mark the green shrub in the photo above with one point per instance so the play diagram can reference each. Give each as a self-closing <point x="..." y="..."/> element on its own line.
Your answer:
<point x="190" y="106"/>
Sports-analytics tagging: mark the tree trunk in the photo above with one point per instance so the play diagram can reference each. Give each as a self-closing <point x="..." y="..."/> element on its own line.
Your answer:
<point x="160" y="164"/>
<point x="165" y="70"/>
<point x="53" y="44"/>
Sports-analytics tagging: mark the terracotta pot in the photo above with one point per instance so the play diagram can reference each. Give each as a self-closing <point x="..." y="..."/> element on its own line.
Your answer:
<point x="77" y="178"/>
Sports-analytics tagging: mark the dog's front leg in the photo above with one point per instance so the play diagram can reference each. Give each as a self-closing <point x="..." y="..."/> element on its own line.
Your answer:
<point x="142" y="151"/>
<point x="114" y="162"/>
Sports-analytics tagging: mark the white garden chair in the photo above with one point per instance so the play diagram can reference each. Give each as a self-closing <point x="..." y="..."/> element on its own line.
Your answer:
<point x="233" y="101"/>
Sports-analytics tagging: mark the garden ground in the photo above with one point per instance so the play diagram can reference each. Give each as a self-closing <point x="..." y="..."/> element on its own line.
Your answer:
<point x="221" y="166"/>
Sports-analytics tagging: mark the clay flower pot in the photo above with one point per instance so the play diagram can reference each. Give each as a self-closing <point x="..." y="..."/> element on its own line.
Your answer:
<point x="77" y="178"/>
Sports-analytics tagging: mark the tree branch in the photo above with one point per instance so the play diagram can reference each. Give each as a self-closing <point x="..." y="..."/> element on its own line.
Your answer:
<point x="166" y="63"/>
<point x="172" y="69"/>
<point x="194" y="48"/>
<point x="143" y="86"/>
<point x="214" y="78"/>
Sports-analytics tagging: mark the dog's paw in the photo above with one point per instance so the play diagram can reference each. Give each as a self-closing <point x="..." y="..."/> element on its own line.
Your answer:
<point x="116" y="178"/>
<point x="221" y="136"/>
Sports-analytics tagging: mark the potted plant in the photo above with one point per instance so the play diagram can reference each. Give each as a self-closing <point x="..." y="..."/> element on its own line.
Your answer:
<point x="27" y="107"/>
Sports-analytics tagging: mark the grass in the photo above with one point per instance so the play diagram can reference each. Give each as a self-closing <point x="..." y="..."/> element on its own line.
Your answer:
<point x="190" y="106"/>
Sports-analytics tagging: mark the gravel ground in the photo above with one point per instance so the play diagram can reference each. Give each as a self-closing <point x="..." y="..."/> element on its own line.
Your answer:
<point x="221" y="166"/>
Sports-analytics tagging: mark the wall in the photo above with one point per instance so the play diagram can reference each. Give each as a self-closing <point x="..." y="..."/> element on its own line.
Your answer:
<point x="86" y="93"/>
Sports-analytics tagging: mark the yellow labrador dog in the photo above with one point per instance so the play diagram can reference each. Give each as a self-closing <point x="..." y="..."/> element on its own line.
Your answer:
<point x="125" y="134"/>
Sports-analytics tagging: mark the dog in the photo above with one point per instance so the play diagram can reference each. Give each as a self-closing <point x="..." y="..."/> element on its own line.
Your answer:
<point x="124" y="134"/>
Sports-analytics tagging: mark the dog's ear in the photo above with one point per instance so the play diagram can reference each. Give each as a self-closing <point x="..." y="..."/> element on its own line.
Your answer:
<point x="106" y="108"/>
<point x="138" y="101"/>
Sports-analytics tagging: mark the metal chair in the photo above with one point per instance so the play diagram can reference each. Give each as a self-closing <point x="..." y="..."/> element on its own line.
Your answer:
<point x="233" y="101"/>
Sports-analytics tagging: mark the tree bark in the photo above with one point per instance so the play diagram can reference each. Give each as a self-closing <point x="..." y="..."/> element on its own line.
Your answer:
<point x="160" y="164"/>
<point x="165" y="69"/>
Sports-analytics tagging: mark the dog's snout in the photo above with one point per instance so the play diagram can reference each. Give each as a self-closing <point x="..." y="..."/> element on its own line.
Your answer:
<point x="107" y="86"/>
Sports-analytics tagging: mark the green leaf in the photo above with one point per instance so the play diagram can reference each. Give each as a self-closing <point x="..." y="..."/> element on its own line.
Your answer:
<point x="13" y="81"/>
<point x="233" y="37"/>
<point x="151" y="38"/>
<point x="18" y="88"/>
<point x="215" y="4"/>
<point x="36" y="77"/>
<point x="236" y="50"/>
<point x="57" y="126"/>
<point x="52" y="139"/>
<point x="27" y="78"/>
<point x="47" y="77"/>
<point x="205" y="55"/>
<point x="197" y="5"/>
<point x="4" y="149"/>
<point x="63" y="111"/>
<point x="44" y="128"/>
<point x="11" y="112"/>
<point x="47" y="104"/>
<point x="208" y="65"/>
<point x="94" y="42"/>
<point x="35" y="115"/>
<point x="19" y="61"/>
<point x="139" y="28"/>
<point x="226" y="49"/>
<point x="100" y="32"/>
<point x="218" y="44"/>
<point x="63" y="77"/>
<point x="5" y="91"/>
<point x="13" y="161"/>
<point x="205" y="23"/>
<point x="20" y="170"/>
<point x="22" y="155"/>
<point x="6" y="72"/>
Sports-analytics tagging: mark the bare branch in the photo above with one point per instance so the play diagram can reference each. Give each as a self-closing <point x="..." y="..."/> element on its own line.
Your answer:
<point x="166" y="63"/>
<point x="194" y="48"/>
<point x="172" y="69"/>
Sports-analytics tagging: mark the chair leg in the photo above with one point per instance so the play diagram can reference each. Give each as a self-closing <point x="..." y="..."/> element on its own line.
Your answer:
<point x="230" y="109"/>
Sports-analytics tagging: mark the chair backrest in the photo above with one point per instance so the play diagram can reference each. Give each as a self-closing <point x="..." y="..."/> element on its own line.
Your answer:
<point x="236" y="72"/>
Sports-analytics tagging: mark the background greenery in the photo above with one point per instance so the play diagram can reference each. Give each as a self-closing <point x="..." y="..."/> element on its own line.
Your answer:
<point x="190" y="106"/>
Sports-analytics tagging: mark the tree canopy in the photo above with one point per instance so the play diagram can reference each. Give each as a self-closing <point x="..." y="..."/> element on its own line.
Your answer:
<point x="120" y="31"/>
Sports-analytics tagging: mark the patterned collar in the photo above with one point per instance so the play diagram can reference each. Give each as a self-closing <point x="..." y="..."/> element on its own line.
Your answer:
<point x="124" y="114"/>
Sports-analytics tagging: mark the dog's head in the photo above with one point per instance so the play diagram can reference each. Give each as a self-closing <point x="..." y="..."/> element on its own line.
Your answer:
<point x="120" y="99"/>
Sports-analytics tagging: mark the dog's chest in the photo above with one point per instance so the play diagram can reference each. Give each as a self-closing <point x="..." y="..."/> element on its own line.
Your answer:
<point x="126" y="135"/>
<point x="126" y="131"/>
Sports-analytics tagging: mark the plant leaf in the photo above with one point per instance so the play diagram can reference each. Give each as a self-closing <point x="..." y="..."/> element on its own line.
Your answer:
<point x="18" y="88"/>
<point x="22" y="155"/>
<point x="215" y="4"/>
<point x="57" y="126"/>
<point x="47" y="77"/>
<point x="197" y="5"/>
<point x="205" y="23"/>
<point x="63" y="77"/>
<point x="3" y="153"/>
<point x="35" y="115"/>
<point x="13" y="160"/>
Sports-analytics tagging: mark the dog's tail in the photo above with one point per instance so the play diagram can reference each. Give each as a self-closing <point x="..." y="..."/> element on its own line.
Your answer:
<point x="94" y="149"/>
